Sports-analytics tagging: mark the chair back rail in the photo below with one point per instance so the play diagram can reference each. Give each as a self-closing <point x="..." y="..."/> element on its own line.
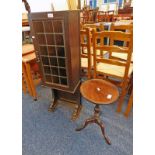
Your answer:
<point x="112" y="35"/>
<point x="85" y="41"/>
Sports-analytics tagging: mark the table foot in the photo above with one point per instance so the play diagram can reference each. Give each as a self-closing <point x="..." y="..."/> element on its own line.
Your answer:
<point x="103" y="131"/>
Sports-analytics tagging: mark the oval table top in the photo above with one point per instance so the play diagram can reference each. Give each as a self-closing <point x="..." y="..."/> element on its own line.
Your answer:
<point x="99" y="91"/>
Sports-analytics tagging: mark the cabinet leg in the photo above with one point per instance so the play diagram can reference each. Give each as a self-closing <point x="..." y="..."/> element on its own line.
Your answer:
<point x="76" y="112"/>
<point x="78" y="107"/>
<point x="54" y="104"/>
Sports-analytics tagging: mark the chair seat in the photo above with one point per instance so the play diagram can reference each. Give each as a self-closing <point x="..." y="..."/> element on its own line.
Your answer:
<point x="114" y="70"/>
<point x="121" y="55"/>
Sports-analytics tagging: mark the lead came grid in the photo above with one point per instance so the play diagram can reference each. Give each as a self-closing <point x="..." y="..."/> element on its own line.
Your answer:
<point x="50" y="36"/>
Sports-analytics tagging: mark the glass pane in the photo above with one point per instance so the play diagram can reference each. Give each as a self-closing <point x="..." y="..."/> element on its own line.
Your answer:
<point x="55" y="79"/>
<point x="57" y="26"/>
<point x="45" y="60"/>
<point x="62" y="72"/>
<point x="55" y="71"/>
<point x="53" y="61"/>
<point x="61" y="62"/>
<point x="50" y="39"/>
<point x="41" y="39"/>
<point x="48" y="78"/>
<point x="59" y="39"/>
<point x="43" y="50"/>
<point x="60" y="51"/>
<point x="63" y="81"/>
<point x="38" y="27"/>
<point x="47" y="70"/>
<point x="48" y="26"/>
<point x="51" y="51"/>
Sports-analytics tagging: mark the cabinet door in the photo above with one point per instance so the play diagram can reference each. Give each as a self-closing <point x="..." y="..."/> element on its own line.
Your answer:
<point x="50" y="40"/>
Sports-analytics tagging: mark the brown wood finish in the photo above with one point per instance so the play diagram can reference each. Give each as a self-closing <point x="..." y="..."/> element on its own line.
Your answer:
<point x="109" y="67"/>
<point x="68" y="97"/>
<point x="27" y="49"/>
<point x="25" y="76"/>
<point x="122" y="17"/>
<point x="105" y="16"/>
<point x="89" y="15"/>
<point x="123" y="28"/>
<point x="24" y="89"/>
<point x="56" y="38"/>
<point x="25" y="21"/>
<point x="129" y="106"/>
<point x="98" y="92"/>
<point x="58" y="53"/>
<point x="86" y="62"/>
<point x="26" y="61"/>
<point x="126" y="10"/>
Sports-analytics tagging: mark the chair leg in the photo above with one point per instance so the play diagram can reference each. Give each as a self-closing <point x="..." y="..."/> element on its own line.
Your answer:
<point x="121" y="99"/>
<point x="26" y="79"/>
<point x="129" y="106"/>
<point x="28" y="69"/>
<point x="23" y="86"/>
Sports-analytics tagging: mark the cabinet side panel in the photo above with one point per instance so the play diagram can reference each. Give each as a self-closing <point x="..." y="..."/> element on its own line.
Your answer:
<point x="74" y="39"/>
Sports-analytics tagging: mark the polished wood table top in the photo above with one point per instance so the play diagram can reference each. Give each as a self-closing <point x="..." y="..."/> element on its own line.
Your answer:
<point x="27" y="48"/>
<point x="99" y="91"/>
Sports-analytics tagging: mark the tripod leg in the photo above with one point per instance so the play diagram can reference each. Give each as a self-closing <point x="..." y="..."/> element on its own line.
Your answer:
<point x="103" y="131"/>
<point x="88" y="121"/>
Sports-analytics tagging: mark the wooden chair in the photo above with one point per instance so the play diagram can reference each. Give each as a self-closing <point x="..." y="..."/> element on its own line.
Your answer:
<point x="130" y="101"/>
<point x="122" y="28"/>
<point x="129" y="106"/>
<point x="86" y="60"/>
<point x="111" y="69"/>
<point x="97" y="27"/>
<point x="122" y="17"/>
<point x="24" y="86"/>
<point x="105" y="16"/>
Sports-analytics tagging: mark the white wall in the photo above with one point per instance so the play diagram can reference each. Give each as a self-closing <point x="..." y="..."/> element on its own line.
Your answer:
<point x="45" y="5"/>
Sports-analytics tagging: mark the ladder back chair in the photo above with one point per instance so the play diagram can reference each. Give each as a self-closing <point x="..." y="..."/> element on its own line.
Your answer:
<point x="123" y="28"/>
<point x="98" y="28"/>
<point x="86" y="60"/>
<point x="109" y="68"/>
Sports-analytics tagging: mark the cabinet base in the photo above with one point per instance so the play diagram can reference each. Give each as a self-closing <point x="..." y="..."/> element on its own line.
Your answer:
<point x="69" y="97"/>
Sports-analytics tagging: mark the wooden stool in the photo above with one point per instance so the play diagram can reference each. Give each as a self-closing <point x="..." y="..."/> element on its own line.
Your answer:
<point x="98" y="92"/>
<point x="26" y="60"/>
